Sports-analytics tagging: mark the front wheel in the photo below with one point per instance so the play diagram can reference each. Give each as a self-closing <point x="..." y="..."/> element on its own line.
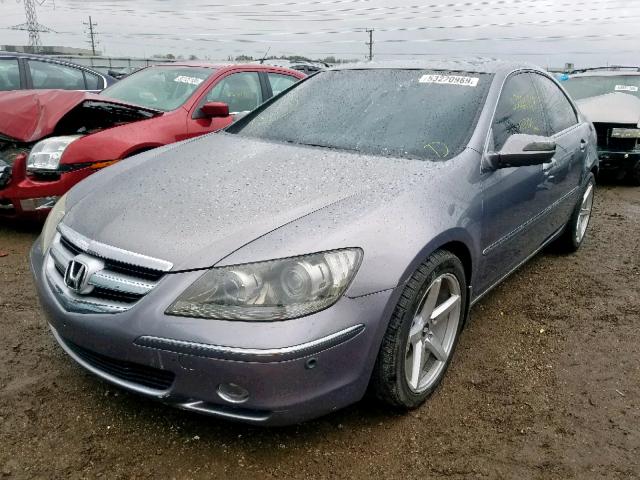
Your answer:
<point x="576" y="229"/>
<point x="423" y="332"/>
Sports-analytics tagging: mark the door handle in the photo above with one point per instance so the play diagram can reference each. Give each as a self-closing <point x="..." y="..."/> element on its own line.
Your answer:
<point x="546" y="167"/>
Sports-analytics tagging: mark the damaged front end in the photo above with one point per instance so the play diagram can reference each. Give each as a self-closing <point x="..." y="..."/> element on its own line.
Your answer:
<point x="37" y="130"/>
<point x="10" y="150"/>
<point x="616" y="119"/>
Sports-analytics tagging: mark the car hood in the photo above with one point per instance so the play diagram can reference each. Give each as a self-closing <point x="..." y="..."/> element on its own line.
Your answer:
<point x="611" y="108"/>
<point x="195" y="203"/>
<point x="31" y="115"/>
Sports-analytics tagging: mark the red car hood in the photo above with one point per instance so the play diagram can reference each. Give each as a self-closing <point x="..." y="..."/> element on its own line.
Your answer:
<point x="30" y="115"/>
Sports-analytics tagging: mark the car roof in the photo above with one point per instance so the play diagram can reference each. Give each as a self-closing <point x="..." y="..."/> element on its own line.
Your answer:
<point x="219" y="65"/>
<point x="604" y="73"/>
<point x="51" y="58"/>
<point x="477" y="65"/>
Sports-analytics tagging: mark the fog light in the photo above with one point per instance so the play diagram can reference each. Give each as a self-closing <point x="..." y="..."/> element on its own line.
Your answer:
<point x="233" y="393"/>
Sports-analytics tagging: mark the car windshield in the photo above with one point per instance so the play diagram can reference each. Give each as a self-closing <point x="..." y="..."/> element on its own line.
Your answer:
<point x="160" y="88"/>
<point x="392" y="112"/>
<point x="584" y="87"/>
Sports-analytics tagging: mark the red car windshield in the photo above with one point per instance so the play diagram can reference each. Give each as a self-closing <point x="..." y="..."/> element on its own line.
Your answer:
<point x="160" y="88"/>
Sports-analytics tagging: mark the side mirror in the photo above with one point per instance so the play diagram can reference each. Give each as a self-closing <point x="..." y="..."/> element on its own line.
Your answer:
<point x="214" y="110"/>
<point x="522" y="150"/>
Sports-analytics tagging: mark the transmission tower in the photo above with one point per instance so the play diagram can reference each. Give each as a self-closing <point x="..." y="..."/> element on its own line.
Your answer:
<point x="32" y="26"/>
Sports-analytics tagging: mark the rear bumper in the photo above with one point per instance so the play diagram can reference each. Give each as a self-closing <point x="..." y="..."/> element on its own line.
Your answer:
<point x="25" y="197"/>
<point x="290" y="371"/>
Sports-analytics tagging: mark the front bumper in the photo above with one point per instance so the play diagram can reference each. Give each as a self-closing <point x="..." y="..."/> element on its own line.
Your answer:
<point x="26" y="197"/>
<point x="614" y="160"/>
<point x="294" y="370"/>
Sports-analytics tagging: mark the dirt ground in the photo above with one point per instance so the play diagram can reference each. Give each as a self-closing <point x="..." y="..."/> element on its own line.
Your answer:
<point x="545" y="384"/>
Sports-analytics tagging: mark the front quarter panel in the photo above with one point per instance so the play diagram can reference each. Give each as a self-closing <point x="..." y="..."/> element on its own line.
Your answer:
<point x="122" y="141"/>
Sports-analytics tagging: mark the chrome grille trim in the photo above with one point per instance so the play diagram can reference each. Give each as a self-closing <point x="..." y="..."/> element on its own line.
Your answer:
<point x="102" y="250"/>
<point x="121" y="283"/>
<point x="116" y="285"/>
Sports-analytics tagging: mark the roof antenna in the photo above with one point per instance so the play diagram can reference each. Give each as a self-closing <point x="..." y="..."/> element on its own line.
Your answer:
<point x="265" y="56"/>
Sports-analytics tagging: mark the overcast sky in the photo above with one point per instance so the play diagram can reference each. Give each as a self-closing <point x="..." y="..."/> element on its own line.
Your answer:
<point x="546" y="32"/>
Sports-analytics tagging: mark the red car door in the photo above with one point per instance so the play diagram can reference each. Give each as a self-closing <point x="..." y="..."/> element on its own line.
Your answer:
<point x="241" y="90"/>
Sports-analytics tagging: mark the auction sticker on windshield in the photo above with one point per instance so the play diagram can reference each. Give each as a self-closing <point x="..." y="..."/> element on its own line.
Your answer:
<point x="450" y="80"/>
<point x="626" y="88"/>
<point x="189" y="80"/>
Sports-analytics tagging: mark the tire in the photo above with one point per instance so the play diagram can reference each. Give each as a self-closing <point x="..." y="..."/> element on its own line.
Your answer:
<point x="634" y="174"/>
<point x="576" y="228"/>
<point x="394" y="379"/>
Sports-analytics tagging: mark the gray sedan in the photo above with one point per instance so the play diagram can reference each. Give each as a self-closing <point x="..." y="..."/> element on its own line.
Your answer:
<point x="330" y="242"/>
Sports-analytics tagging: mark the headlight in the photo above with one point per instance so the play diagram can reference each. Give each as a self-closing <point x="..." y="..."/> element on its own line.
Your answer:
<point x="55" y="216"/>
<point x="625" y="132"/>
<point x="272" y="290"/>
<point x="45" y="155"/>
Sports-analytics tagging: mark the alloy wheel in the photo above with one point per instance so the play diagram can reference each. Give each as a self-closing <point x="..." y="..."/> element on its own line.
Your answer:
<point x="433" y="332"/>
<point x="585" y="213"/>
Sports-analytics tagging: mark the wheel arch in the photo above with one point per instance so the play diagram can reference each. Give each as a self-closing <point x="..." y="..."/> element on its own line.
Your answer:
<point x="140" y="149"/>
<point x="457" y="241"/>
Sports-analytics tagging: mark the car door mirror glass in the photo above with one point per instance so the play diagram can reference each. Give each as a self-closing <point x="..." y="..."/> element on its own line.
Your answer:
<point x="521" y="150"/>
<point x="215" y="110"/>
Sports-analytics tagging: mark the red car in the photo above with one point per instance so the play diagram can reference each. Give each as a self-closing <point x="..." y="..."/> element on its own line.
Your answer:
<point x="52" y="139"/>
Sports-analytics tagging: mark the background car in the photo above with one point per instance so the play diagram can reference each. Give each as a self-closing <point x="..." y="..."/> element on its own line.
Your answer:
<point x="610" y="98"/>
<point x="332" y="240"/>
<point x="70" y="135"/>
<point x="23" y="71"/>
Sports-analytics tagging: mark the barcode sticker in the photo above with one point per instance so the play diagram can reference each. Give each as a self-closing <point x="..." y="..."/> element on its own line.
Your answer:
<point x="626" y="88"/>
<point x="450" y="80"/>
<point x="189" y="80"/>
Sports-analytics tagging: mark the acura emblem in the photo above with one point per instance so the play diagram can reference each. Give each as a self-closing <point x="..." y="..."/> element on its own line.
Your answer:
<point x="79" y="271"/>
<point x="75" y="276"/>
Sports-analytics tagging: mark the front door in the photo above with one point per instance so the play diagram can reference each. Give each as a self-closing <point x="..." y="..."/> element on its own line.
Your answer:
<point x="512" y="199"/>
<point x="242" y="91"/>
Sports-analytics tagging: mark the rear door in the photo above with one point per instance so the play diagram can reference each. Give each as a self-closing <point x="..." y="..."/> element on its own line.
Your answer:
<point x="42" y="74"/>
<point x="278" y="82"/>
<point x="10" y="78"/>
<point x="562" y="174"/>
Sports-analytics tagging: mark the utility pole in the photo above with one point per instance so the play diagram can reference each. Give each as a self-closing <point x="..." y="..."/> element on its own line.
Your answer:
<point x="32" y="25"/>
<point x="92" y="34"/>
<point x="370" y="43"/>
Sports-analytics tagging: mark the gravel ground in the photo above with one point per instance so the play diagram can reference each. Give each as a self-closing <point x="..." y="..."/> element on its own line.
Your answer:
<point x="545" y="384"/>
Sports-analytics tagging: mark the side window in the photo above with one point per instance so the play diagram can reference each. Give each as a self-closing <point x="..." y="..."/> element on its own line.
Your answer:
<point x="241" y="91"/>
<point x="9" y="74"/>
<point x="560" y="113"/>
<point x="280" y="82"/>
<point x="519" y="111"/>
<point x="94" y="82"/>
<point x="53" y="75"/>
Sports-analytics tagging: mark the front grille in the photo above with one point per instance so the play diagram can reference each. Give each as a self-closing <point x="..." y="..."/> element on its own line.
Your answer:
<point x="149" y="377"/>
<point x="607" y="142"/>
<point x="115" y="284"/>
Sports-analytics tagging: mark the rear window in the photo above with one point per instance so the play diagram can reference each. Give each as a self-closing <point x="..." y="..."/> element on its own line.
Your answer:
<point x="389" y="112"/>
